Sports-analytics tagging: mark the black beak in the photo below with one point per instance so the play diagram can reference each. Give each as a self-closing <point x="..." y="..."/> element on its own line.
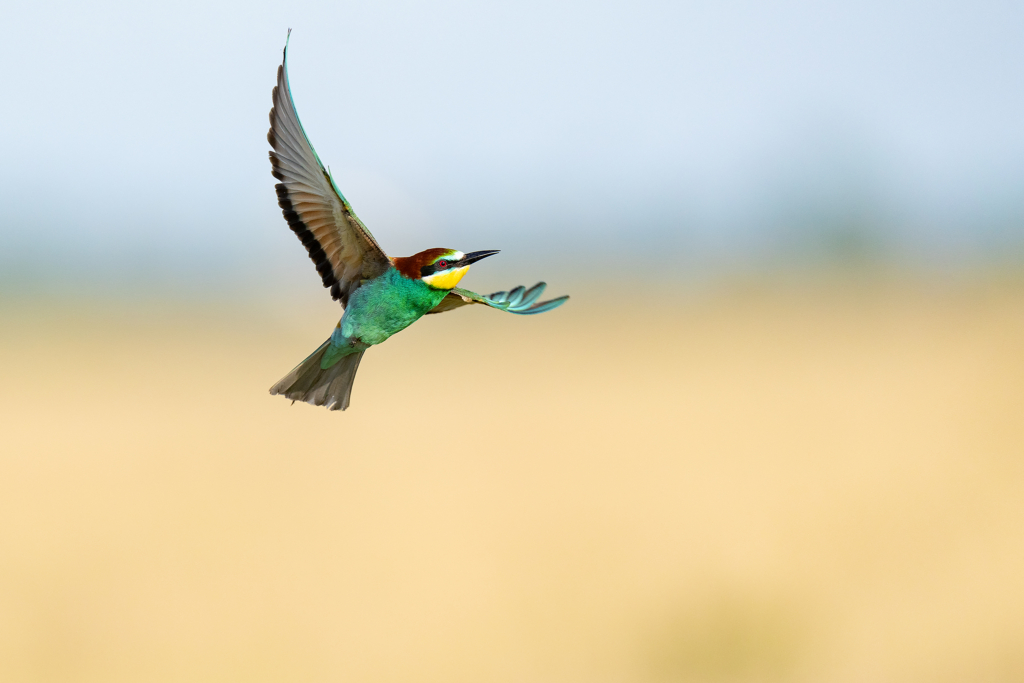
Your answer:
<point x="474" y="256"/>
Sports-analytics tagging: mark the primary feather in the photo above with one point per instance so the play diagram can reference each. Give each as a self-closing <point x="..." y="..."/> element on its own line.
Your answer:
<point x="343" y="250"/>
<point x="519" y="301"/>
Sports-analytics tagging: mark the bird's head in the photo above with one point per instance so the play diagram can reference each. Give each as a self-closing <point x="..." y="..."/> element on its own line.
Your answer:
<point x="439" y="268"/>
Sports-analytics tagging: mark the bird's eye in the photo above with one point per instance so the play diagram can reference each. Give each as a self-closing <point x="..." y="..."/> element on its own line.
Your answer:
<point x="441" y="265"/>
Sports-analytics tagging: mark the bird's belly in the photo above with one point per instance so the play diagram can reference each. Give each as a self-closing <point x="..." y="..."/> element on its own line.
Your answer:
<point x="378" y="310"/>
<point x="375" y="324"/>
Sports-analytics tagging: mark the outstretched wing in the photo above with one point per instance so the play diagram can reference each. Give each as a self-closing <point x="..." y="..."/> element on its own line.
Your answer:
<point x="520" y="300"/>
<point x="343" y="250"/>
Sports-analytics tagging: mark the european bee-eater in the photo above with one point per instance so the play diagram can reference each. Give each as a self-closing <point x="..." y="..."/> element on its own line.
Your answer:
<point x="380" y="295"/>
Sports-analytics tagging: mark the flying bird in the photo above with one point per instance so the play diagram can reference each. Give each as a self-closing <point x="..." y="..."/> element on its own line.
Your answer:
<point x="381" y="295"/>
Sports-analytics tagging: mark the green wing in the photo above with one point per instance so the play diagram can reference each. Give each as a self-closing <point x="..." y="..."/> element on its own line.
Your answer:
<point x="520" y="300"/>
<point x="341" y="247"/>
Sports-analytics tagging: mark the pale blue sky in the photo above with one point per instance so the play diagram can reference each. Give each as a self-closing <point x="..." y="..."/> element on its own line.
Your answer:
<point x="135" y="132"/>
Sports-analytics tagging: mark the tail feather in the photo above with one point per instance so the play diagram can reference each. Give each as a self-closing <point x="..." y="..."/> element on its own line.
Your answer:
<point x="310" y="383"/>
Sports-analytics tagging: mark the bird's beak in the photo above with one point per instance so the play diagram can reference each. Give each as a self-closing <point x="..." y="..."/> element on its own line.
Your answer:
<point x="474" y="256"/>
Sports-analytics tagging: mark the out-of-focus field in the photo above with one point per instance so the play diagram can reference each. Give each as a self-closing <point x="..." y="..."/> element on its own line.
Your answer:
<point x="756" y="484"/>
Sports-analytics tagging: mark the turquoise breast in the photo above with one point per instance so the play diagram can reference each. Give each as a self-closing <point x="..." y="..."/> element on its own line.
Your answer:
<point x="386" y="305"/>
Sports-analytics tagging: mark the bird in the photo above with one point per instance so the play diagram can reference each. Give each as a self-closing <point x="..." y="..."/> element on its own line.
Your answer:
<point x="380" y="295"/>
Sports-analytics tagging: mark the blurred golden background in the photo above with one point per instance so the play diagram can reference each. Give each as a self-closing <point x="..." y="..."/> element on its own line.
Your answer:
<point x="765" y="481"/>
<point x="776" y="435"/>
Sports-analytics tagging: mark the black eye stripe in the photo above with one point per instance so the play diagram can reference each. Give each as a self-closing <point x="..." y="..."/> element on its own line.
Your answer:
<point x="437" y="267"/>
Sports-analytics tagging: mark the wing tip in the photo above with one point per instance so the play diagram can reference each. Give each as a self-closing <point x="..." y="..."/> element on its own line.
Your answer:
<point x="521" y="301"/>
<point x="543" y="306"/>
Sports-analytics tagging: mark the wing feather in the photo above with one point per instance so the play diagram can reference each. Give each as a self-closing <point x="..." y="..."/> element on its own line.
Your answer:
<point x="342" y="249"/>
<point x="519" y="301"/>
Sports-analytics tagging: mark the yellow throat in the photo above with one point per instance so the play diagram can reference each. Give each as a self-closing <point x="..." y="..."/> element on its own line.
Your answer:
<point x="447" y="279"/>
